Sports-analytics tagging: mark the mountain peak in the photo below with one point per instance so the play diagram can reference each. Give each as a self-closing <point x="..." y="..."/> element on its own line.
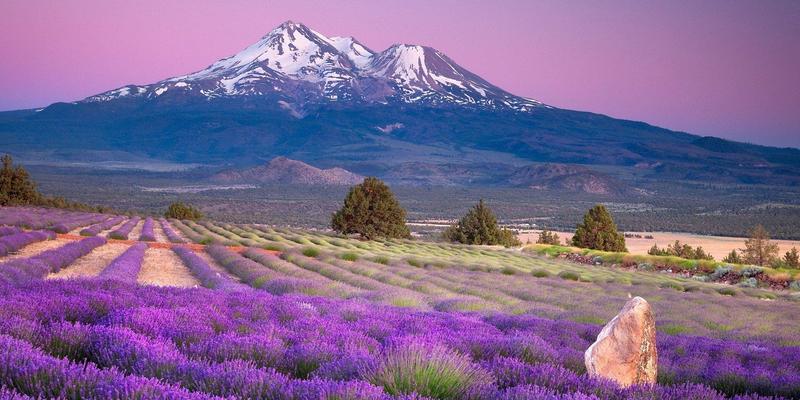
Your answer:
<point x="296" y="65"/>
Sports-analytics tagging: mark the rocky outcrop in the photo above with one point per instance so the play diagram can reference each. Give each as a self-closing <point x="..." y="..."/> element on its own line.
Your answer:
<point x="625" y="350"/>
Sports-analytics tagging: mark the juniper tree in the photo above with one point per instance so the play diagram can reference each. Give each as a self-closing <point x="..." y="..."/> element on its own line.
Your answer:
<point x="792" y="258"/>
<point x="371" y="211"/>
<point x="180" y="210"/>
<point x="547" y="237"/>
<point x="598" y="231"/>
<point x="758" y="249"/>
<point x="479" y="226"/>
<point x="16" y="186"/>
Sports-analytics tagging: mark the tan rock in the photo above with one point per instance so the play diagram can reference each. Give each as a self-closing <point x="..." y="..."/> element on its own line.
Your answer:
<point x="625" y="350"/>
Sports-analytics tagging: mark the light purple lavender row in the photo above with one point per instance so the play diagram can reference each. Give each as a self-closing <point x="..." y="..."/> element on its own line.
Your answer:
<point x="16" y="241"/>
<point x="95" y="229"/>
<point x="126" y="266"/>
<point x="249" y="271"/>
<point x="207" y="276"/>
<point x="9" y="230"/>
<point x="33" y="372"/>
<point x="31" y="218"/>
<point x="50" y="261"/>
<point x="172" y="236"/>
<point x="78" y="220"/>
<point x="123" y="231"/>
<point x="148" y="234"/>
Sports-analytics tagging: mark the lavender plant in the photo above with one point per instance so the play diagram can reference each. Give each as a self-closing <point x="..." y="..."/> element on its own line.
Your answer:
<point x="148" y="234"/>
<point x="126" y="267"/>
<point x="123" y="231"/>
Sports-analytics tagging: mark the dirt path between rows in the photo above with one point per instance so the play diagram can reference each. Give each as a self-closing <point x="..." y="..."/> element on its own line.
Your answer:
<point x="91" y="264"/>
<point x="35" y="248"/>
<point x="162" y="267"/>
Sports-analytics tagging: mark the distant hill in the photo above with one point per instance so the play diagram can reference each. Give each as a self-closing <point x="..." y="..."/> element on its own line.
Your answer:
<point x="566" y="177"/>
<point x="284" y="170"/>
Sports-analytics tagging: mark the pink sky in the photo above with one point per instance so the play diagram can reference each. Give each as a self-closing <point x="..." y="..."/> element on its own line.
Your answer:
<point x="722" y="68"/>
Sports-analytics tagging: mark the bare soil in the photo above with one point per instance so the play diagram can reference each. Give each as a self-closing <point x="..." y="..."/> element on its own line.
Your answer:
<point x="113" y="228"/>
<point x="162" y="267"/>
<point x="36" y="248"/>
<point x="93" y="263"/>
<point x="159" y="232"/>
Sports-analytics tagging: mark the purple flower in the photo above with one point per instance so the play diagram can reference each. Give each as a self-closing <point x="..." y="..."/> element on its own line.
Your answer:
<point x="126" y="267"/>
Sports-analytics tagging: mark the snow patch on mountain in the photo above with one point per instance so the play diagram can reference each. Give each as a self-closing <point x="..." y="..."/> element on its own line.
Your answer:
<point x="300" y="65"/>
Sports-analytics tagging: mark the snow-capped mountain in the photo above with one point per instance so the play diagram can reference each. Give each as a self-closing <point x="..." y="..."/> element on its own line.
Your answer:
<point x="298" y="65"/>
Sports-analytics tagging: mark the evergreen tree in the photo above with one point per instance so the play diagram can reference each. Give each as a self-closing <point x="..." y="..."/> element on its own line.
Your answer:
<point x="547" y="237"/>
<point x="371" y="211"/>
<point x="792" y="258"/>
<point x="479" y="226"/>
<point x="598" y="232"/>
<point x="759" y="250"/>
<point x="733" y="258"/>
<point x="16" y="186"/>
<point x="180" y="210"/>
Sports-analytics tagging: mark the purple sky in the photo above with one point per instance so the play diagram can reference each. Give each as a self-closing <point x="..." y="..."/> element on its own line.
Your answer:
<point x="724" y="68"/>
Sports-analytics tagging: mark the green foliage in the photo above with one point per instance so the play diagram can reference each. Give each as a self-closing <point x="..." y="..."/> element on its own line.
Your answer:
<point x="179" y="210"/>
<point x="727" y="291"/>
<point x="540" y="273"/>
<point x="682" y="250"/>
<point x="16" y="187"/>
<point x="509" y="270"/>
<point x="791" y="258"/>
<point x="733" y="258"/>
<point x="310" y="252"/>
<point x="349" y="256"/>
<point x="598" y="231"/>
<point x="674" y="329"/>
<point x="381" y="260"/>
<point x="479" y="226"/>
<point x="435" y="372"/>
<point x="570" y="276"/>
<point x="758" y="249"/>
<point x="547" y="237"/>
<point x="371" y="211"/>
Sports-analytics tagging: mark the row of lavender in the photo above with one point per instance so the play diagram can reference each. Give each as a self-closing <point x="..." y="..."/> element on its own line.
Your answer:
<point x="99" y="338"/>
<point x="61" y="221"/>
<point x="44" y="218"/>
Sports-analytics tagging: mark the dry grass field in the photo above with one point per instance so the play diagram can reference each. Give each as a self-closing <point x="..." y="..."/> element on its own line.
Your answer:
<point x="718" y="246"/>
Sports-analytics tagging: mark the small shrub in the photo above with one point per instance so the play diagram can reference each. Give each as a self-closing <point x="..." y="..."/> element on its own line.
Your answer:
<point x="749" y="272"/>
<point x="273" y="247"/>
<point x="509" y="271"/>
<point x="540" y="273"/>
<point x="414" y="262"/>
<point x="645" y="266"/>
<point x="429" y="370"/>
<point x="349" y="256"/>
<point x="727" y="291"/>
<point x="749" y="283"/>
<point x="795" y="285"/>
<point x="672" y="285"/>
<point x="570" y="276"/>
<point x="381" y="260"/>
<point x="310" y="252"/>
<point x="178" y="210"/>
<point x="720" y="272"/>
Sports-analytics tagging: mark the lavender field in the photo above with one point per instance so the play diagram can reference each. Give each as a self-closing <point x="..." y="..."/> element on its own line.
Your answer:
<point x="277" y="313"/>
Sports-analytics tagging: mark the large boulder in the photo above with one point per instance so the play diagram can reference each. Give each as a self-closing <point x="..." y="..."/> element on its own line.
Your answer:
<point x="625" y="350"/>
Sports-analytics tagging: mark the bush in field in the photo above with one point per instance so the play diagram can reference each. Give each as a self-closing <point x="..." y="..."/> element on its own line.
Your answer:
<point x="682" y="250"/>
<point x="547" y="237"/>
<point x="791" y="258"/>
<point x="733" y="258"/>
<point x="479" y="226"/>
<point x="178" y="210"/>
<point x="758" y="249"/>
<point x="598" y="231"/>
<point x="371" y="211"/>
<point x="429" y="370"/>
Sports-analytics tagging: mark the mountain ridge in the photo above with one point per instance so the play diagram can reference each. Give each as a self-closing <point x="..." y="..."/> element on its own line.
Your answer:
<point x="408" y="112"/>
